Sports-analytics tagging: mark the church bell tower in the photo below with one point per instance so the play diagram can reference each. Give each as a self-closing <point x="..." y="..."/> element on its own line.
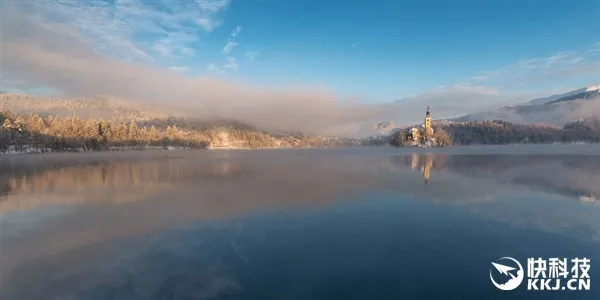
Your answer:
<point x="427" y="118"/>
<point x="427" y="125"/>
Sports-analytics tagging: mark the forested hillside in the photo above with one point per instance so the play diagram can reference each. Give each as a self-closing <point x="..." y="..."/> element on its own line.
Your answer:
<point x="501" y="132"/>
<point x="36" y="134"/>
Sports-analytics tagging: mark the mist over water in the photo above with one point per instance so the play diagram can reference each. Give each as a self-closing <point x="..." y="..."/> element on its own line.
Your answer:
<point x="293" y="224"/>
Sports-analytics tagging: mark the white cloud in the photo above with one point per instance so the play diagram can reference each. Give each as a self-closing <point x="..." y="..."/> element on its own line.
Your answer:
<point x="207" y="23"/>
<point x="213" y="68"/>
<point x="178" y="68"/>
<point x="564" y="65"/>
<point x="162" y="49"/>
<point x="594" y="49"/>
<point x="231" y="63"/>
<point x="230" y="45"/>
<point x="479" y="78"/>
<point x="131" y="30"/>
<point x="251" y="55"/>
<point x="188" y="51"/>
<point x="236" y="31"/>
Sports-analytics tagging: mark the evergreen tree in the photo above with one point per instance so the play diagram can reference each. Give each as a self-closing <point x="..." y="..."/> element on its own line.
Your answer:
<point x="153" y="136"/>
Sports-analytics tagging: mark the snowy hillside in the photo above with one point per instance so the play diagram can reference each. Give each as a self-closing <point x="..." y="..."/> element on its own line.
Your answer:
<point x="553" y="110"/>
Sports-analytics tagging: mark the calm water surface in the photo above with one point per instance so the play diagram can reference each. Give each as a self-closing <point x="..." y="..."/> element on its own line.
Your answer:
<point x="294" y="224"/>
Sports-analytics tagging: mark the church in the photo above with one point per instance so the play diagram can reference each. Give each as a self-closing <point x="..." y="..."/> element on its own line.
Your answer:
<point x="421" y="135"/>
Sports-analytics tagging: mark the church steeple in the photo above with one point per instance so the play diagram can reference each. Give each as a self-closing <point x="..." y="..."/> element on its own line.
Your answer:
<point x="427" y="123"/>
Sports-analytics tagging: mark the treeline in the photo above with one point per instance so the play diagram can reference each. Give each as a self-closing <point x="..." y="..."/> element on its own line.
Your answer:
<point x="35" y="134"/>
<point x="501" y="132"/>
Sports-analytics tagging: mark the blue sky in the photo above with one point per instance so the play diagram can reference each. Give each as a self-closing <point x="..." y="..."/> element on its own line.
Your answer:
<point x="386" y="49"/>
<point x="370" y="51"/>
<point x="397" y="48"/>
<point x="373" y="50"/>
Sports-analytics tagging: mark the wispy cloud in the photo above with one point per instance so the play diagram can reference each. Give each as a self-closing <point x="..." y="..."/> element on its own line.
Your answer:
<point x="236" y="31"/>
<point x="178" y="68"/>
<point x="231" y="43"/>
<point x="229" y="46"/>
<point x="162" y="49"/>
<point x="213" y="68"/>
<point x="187" y="51"/>
<point x="231" y="63"/>
<point x="594" y="49"/>
<point x="251" y="55"/>
<point x="528" y="71"/>
<point x="479" y="78"/>
<point x="132" y="30"/>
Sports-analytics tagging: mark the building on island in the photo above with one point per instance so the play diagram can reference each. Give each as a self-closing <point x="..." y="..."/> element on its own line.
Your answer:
<point x="422" y="135"/>
<point x="418" y="135"/>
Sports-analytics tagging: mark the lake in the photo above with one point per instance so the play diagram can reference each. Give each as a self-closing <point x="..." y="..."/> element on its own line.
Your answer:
<point x="365" y="223"/>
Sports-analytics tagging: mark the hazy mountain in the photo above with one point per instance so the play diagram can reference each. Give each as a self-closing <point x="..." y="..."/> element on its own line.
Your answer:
<point x="381" y="128"/>
<point x="553" y="110"/>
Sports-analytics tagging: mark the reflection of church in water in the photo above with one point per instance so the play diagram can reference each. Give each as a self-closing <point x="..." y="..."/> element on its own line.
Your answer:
<point x="424" y="163"/>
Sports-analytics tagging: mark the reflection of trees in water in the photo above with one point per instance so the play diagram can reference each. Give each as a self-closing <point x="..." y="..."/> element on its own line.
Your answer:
<point x="586" y="164"/>
<point x="116" y="182"/>
<point x="575" y="175"/>
<point x="496" y="163"/>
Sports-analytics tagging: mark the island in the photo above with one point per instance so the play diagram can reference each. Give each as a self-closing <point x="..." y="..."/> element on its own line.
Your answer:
<point x="421" y="136"/>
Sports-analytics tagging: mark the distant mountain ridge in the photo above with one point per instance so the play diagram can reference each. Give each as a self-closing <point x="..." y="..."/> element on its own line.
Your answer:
<point x="588" y="93"/>
<point x="575" y="93"/>
<point x="555" y="110"/>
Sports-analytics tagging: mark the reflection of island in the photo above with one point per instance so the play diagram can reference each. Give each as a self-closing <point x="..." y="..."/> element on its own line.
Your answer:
<point x="423" y="163"/>
<point x="574" y="176"/>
